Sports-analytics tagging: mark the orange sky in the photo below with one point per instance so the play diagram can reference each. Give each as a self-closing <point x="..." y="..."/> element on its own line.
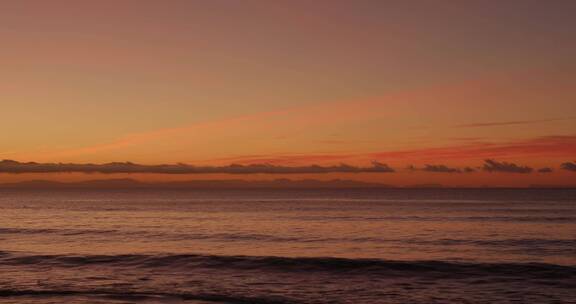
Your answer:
<point x="293" y="83"/>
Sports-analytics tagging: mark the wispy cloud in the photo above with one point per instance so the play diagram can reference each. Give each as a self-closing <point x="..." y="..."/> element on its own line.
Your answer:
<point x="295" y="119"/>
<point x="345" y="142"/>
<point x="299" y="120"/>
<point x="288" y="121"/>
<point x="547" y="146"/>
<point x="156" y="135"/>
<point x="286" y="158"/>
<point x="511" y="123"/>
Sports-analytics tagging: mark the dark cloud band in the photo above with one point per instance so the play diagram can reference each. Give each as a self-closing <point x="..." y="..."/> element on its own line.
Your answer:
<point x="490" y="166"/>
<point x="10" y="166"/>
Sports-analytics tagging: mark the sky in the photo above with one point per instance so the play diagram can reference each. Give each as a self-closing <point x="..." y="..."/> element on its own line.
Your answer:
<point x="293" y="83"/>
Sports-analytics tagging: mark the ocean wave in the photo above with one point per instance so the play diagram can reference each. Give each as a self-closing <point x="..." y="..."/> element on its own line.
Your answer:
<point x="53" y="231"/>
<point x="536" y="242"/>
<point x="142" y="295"/>
<point x="428" y="218"/>
<point x="162" y="235"/>
<point x="295" y="264"/>
<point x="530" y="246"/>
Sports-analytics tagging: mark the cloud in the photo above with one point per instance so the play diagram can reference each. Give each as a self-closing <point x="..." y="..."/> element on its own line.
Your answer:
<point x="124" y="183"/>
<point x="284" y="158"/>
<point x="345" y="142"/>
<point x="546" y="146"/>
<point x="545" y="170"/>
<point x="491" y="165"/>
<point x="11" y="166"/>
<point x="569" y="166"/>
<point x="440" y="169"/>
<point x="510" y="123"/>
<point x="295" y="119"/>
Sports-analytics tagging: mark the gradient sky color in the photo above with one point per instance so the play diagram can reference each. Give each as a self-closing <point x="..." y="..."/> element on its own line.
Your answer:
<point x="292" y="82"/>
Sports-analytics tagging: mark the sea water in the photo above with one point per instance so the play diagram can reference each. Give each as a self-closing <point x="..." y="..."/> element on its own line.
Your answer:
<point x="288" y="246"/>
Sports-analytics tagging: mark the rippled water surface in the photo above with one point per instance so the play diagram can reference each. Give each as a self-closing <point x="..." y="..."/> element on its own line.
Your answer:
<point x="386" y="246"/>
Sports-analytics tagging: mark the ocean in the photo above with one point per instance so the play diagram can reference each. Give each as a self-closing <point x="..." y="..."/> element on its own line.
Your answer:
<point x="288" y="246"/>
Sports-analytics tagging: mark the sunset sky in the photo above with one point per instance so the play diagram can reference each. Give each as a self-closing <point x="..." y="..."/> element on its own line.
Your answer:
<point x="293" y="83"/>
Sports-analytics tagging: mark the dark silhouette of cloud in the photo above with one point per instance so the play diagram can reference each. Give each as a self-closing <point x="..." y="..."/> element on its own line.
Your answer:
<point x="440" y="169"/>
<point x="491" y="165"/>
<point x="545" y="170"/>
<point x="569" y="166"/>
<point x="11" y="166"/>
<point x="193" y="184"/>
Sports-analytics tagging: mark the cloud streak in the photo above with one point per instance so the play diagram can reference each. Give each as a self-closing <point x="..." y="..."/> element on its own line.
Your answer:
<point x="510" y="123"/>
<point x="296" y="119"/>
<point x="546" y="146"/>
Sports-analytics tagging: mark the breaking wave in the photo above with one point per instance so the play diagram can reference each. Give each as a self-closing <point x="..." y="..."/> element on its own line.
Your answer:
<point x="294" y="264"/>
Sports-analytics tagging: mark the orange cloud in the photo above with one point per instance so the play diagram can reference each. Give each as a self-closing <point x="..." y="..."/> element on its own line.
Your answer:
<point x="547" y="146"/>
<point x="415" y="105"/>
